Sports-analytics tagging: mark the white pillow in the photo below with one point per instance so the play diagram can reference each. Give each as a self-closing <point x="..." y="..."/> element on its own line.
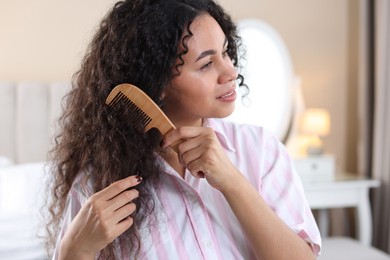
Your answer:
<point x="5" y="161"/>
<point x="21" y="198"/>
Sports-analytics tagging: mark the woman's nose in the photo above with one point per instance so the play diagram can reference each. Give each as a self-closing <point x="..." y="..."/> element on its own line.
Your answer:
<point x="228" y="72"/>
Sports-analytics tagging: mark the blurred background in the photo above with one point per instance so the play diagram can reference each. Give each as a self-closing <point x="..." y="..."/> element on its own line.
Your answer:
<point x="330" y="43"/>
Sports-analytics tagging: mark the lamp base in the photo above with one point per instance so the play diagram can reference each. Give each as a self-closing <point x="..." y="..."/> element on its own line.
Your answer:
<point x="315" y="146"/>
<point x="314" y="150"/>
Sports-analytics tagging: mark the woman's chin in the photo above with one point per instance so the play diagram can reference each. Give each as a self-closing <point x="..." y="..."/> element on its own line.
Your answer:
<point x="226" y="112"/>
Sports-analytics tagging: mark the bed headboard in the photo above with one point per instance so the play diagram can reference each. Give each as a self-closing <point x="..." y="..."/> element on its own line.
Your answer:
<point x="28" y="111"/>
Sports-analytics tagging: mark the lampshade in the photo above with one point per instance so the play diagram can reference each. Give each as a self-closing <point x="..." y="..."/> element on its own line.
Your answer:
<point x="315" y="121"/>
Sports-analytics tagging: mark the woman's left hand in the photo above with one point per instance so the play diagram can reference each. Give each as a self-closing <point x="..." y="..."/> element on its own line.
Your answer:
<point x="202" y="154"/>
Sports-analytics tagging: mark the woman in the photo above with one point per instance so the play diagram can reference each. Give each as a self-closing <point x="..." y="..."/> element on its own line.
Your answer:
<point x="229" y="193"/>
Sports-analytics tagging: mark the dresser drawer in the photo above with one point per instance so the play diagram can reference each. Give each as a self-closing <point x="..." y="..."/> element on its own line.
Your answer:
<point x="314" y="168"/>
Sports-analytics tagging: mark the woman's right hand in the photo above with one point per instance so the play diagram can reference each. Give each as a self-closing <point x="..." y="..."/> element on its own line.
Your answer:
<point x="104" y="216"/>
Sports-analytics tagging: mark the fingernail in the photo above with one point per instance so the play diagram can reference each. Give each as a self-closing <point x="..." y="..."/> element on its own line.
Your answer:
<point x="201" y="174"/>
<point x="138" y="178"/>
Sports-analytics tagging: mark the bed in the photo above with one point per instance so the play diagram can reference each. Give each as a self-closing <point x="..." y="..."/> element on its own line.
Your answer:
<point x="28" y="111"/>
<point x="21" y="228"/>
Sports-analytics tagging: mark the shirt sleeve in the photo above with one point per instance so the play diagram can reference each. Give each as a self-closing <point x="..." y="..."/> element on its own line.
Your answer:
<point x="282" y="189"/>
<point x="264" y="160"/>
<point x="76" y="198"/>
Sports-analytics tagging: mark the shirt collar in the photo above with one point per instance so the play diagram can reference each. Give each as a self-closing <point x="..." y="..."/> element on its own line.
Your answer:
<point x="217" y="126"/>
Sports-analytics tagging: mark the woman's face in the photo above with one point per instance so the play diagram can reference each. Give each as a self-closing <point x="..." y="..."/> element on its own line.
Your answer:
<point x="206" y="85"/>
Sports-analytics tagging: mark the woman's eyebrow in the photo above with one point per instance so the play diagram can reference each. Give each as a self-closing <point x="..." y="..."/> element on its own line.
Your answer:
<point x="210" y="52"/>
<point x="205" y="53"/>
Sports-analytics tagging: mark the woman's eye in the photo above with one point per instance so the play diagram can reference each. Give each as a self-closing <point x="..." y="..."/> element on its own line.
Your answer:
<point x="206" y="66"/>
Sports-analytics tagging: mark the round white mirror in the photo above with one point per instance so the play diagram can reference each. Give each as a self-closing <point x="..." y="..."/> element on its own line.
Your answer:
<point x="268" y="72"/>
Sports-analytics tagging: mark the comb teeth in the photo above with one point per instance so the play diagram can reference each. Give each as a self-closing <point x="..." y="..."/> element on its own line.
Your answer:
<point x="129" y="111"/>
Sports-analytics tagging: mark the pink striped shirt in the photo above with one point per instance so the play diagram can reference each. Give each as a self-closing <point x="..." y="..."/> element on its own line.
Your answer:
<point x="194" y="219"/>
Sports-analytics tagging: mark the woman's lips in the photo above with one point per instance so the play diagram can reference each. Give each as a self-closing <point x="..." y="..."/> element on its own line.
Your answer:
<point x="228" y="97"/>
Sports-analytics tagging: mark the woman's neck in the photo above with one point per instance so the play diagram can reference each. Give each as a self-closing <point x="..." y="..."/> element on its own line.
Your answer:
<point x="180" y="123"/>
<point x="179" y="119"/>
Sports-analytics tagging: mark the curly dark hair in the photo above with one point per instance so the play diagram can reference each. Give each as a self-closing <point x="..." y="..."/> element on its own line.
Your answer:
<point x="137" y="42"/>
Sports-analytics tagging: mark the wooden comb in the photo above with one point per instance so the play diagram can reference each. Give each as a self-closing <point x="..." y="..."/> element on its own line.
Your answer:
<point x="141" y="109"/>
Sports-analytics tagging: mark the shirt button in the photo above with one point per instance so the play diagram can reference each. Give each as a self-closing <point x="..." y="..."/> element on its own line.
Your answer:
<point x="208" y="244"/>
<point x="192" y="199"/>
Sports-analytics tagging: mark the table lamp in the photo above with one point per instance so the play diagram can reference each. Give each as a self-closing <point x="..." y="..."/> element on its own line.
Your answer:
<point x="315" y="124"/>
